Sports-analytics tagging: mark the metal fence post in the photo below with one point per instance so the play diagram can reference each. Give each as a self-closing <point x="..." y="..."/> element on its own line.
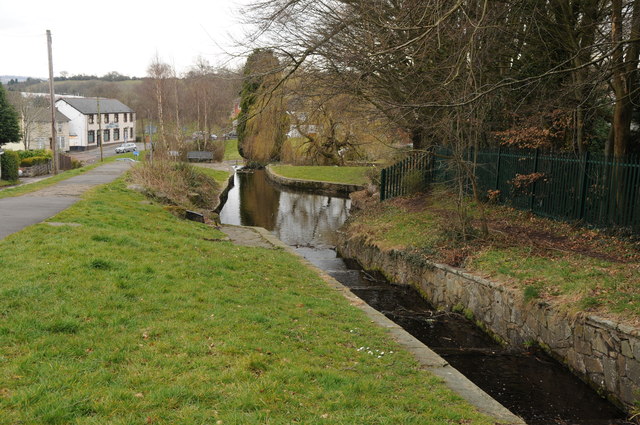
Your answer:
<point x="533" y="186"/>
<point x="383" y="184"/>
<point x="583" y="186"/>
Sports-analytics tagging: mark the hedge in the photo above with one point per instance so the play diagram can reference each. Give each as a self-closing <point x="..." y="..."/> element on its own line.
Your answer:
<point x="34" y="160"/>
<point x="35" y="153"/>
<point x="9" y="163"/>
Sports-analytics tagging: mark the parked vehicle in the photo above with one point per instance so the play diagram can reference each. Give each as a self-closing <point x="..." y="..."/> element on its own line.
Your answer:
<point x="126" y="147"/>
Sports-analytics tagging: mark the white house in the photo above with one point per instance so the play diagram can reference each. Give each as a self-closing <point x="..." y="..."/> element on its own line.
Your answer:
<point x="118" y="121"/>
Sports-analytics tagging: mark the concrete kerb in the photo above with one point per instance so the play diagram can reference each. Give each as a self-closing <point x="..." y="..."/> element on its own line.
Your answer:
<point x="428" y="359"/>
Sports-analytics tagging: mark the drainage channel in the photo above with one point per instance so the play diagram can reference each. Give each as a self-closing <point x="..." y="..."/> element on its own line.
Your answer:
<point x="528" y="382"/>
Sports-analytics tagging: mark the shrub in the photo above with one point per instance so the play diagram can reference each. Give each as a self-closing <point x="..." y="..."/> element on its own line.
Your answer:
<point x="9" y="163"/>
<point x="294" y="152"/>
<point x="413" y="182"/>
<point x="36" y="153"/>
<point x="176" y="183"/>
<point x="75" y="163"/>
<point x="34" y="160"/>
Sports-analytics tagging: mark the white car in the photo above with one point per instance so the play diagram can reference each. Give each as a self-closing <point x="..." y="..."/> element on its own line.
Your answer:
<point x="126" y="147"/>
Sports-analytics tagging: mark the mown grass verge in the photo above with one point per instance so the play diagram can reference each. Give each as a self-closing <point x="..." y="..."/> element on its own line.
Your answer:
<point x="576" y="268"/>
<point x="32" y="187"/>
<point x="231" y="150"/>
<point x="135" y="316"/>
<point x="346" y="175"/>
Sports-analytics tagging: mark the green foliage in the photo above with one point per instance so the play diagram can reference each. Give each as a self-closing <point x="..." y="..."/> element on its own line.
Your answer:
<point x="34" y="160"/>
<point x="10" y="163"/>
<point x="531" y="292"/>
<point x="250" y="85"/>
<point x="262" y="122"/>
<point x="9" y="125"/>
<point x="36" y="153"/>
<point x="413" y="182"/>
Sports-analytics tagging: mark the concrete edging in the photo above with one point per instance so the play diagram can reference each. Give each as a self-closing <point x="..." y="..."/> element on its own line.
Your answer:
<point x="326" y="188"/>
<point x="427" y="358"/>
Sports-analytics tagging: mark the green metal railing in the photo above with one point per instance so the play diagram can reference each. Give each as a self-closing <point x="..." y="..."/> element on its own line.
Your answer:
<point x="400" y="178"/>
<point x="587" y="188"/>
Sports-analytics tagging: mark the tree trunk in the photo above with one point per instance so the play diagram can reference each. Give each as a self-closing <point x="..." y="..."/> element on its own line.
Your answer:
<point x="417" y="137"/>
<point x="624" y="74"/>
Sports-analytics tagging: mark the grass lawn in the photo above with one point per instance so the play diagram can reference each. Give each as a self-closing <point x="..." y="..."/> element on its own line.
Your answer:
<point x="231" y="150"/>
<point x="137" y="317"/>
<point x="347" y="175"/>
<point x="218" y="175"/>
<point x="32" y="187"/>
<point x="581" y="269"/>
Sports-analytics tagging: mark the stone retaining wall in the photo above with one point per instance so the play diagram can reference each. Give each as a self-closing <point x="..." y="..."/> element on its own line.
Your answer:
<point x="36" y="170"/>
<point x="603" y="353"/>
<point x="325" y="188"/>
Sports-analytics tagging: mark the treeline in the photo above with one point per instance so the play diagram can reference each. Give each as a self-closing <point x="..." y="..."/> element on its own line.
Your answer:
<point x="16" y="85"/>
<point x="199" y="102"/>
<point x="557" y="74"/>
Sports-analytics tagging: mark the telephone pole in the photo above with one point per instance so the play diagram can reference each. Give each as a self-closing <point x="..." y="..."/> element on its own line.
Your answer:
<point x="99" y="138"/>
<point x="54" y="141"/>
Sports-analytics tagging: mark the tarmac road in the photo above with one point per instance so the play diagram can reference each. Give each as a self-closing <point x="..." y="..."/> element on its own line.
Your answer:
<point x="18" y="212"/>
<point x="93" y="155"/>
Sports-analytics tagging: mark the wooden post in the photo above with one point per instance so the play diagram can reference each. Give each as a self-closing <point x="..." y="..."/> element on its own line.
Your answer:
<point x="54" y="147"/>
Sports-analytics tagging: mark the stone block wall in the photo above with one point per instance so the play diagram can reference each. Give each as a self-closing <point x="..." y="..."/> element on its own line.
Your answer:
<point x="603" y="353"/>
<point x="36" y="170"/>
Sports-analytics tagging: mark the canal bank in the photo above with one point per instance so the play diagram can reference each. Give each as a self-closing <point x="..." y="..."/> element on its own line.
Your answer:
<point x="309" y="224"/>
<point x="603" y="353"/>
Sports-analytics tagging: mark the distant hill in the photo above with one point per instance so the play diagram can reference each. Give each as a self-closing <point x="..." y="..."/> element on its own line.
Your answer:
<point x="4" y="79"/>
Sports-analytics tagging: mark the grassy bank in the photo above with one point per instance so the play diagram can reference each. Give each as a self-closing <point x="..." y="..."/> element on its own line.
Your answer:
<point x="231" y="150"/>
<point x="581" y="269"/>
<point x="347" y="175"/>
<point x="134" y="316"/>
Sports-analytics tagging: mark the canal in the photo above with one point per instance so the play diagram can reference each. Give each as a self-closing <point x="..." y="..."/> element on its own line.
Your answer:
<point x="525" y="380"/>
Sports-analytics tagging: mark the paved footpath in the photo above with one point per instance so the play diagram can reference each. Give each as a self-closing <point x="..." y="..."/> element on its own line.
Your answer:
<point x="18" y="212"/>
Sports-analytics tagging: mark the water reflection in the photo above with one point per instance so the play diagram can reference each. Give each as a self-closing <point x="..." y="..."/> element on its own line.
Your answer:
<point x="297" y="218"/>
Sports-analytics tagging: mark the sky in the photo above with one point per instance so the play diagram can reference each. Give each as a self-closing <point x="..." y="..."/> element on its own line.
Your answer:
<point x="97" y="37"/>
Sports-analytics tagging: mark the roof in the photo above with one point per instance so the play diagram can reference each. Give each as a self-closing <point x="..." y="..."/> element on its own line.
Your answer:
<point x="44" y="115"/>
<point x="89" y="105"/>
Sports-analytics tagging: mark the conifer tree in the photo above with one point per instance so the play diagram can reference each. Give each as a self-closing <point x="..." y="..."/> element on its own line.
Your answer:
<point x="9" y="125"/>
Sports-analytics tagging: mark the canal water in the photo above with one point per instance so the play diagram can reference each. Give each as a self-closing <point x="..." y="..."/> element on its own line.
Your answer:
<point x="526" y="381"/>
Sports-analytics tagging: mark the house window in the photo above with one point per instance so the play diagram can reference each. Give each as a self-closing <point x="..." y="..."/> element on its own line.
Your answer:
<point x="106" y="119"/>
<point x="131" y="133"/>
<point x="115" y="117"/>
<point x="116" y="134"/>
<point x="107" y="135"/>
<point x="91" y="137"/>
<point x="91" y="118"/>
<point x="131" y="116"/>
<point x="125" y="117"/>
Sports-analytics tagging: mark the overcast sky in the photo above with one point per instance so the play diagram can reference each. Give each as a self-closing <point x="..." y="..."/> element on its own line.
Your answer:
<point x="97" y="37"/>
